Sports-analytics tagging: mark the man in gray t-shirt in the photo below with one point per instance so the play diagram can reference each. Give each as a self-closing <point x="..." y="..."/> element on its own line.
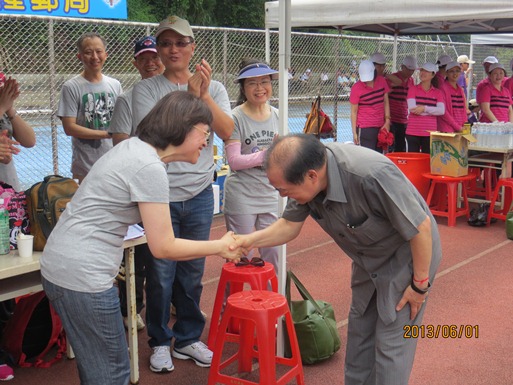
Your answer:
<point x="86" y="106"/>
<point x="191" y="200"/>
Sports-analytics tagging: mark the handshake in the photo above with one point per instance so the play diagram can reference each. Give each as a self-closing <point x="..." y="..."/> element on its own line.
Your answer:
<point x="235" y="246"/>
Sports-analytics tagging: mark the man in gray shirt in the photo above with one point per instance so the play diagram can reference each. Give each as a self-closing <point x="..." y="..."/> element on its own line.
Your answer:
<point x="191" y="200"/>
<point x="86" y="105"/>
<point x="380" y="220"/>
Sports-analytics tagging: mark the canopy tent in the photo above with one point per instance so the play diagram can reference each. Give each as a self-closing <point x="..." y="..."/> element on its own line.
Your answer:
<point x="495" y="39"/>
<point x="397" y="17"/>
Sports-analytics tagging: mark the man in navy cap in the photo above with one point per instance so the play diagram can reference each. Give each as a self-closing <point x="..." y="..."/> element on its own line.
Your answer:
<point x="148" y="63"/>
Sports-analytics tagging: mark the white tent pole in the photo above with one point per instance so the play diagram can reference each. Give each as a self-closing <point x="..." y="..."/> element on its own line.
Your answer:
<point x="394" y="54"/>
<point x="267" y="45"/>
<point x="471" y="80"/>
<point x="283" y="129"/>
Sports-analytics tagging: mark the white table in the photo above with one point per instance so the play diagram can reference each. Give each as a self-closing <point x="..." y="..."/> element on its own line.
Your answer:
<point x="501" y="158"/>
<point x="21" y="276"/>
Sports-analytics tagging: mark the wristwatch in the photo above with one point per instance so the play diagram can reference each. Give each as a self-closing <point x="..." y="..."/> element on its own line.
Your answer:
<point x="420" y="291"/>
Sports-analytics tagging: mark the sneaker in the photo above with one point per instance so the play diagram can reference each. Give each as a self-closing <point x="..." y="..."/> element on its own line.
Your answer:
<point x="160" y="360"/>
<point x="198" y="352"/>
<point x="6" y="373"/>
<point x="140" y="323"/>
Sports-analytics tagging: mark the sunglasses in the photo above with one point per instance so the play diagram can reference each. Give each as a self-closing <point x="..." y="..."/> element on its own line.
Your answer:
<point x="255" y="261"/>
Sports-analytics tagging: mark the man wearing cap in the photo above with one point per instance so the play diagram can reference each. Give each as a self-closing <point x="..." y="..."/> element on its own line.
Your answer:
<point x="466" y="72"/>
<point x="86" y="105"/>
<point x="191" y="200"/>
<point x="399" y="83"/>
<point x="441" y="74"/>
<point x="487" y="62"/>
<point x="148" y="63"/>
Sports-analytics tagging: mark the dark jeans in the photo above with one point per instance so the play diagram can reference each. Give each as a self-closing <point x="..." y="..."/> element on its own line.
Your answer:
<point x="399" y="131"/>
<point x="369" y="138"/>
<point x="418" y="143"/>
<point x="180" y="282"/>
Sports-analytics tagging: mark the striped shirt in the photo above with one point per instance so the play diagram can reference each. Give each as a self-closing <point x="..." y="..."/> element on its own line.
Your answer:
<point x="397" y="99"/>
<point x="500" y="101"/>
<point x="420" y="125"/>
<point x="455" y="109"/>
<point x="370" y="101"/>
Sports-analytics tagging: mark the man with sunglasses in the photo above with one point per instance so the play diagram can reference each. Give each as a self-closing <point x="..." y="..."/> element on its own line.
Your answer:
<point x="191" y="200"/>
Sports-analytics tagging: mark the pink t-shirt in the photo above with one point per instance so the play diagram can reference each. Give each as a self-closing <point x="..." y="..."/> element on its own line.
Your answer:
<point x="420" y="125"/>
<point x="508" y="84"/>
<point x="499" y="103"/>
<point x="455" y="109"/>
<point x="370" y="101"/>
<point x="397" y="99"/>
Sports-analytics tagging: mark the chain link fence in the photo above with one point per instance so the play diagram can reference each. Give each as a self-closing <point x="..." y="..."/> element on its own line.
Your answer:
<point x="41" y="54"/>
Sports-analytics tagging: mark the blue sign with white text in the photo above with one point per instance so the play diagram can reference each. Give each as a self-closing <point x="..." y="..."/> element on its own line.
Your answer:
<point x="98" y="9"/>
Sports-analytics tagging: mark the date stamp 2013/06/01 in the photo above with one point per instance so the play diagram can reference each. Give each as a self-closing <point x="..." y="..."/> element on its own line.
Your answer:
<point x="441" y="331"/>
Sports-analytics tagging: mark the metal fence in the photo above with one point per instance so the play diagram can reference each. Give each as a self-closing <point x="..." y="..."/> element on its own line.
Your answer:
<point x="41" y="54"/>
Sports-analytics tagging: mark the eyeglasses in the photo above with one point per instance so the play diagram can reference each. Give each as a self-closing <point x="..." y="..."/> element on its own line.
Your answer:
<point x="178" y="44"/>
<point x="253" y="84"/>
<point x="255" y="261"/>
<point x="206" y="133"/>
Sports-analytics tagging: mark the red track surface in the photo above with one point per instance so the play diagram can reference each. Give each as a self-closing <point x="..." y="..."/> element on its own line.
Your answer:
<point x="474" y="287"/>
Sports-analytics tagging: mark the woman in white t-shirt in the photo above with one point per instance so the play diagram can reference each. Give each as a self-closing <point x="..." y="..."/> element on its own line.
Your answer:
<point x="127" y="185"/>
<point x="250" y="202"/>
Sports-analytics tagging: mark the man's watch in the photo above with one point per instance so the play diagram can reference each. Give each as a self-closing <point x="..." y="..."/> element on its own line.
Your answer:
<point x="417" y="290"/>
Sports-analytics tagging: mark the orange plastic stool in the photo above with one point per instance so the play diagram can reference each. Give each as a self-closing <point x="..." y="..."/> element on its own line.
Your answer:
<point x="258" y="312"/>
<point x="507" y="184"/>
<point x="449" y="195"/>
<point x="258" y="278"/>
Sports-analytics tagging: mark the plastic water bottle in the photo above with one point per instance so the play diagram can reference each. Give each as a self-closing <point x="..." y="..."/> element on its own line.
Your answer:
<point x="5" y="232"/>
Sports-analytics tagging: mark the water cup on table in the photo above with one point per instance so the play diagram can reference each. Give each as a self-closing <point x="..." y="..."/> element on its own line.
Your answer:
<point x="25" y="245"/>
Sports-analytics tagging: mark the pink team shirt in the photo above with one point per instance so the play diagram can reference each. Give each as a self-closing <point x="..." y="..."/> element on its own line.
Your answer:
<point x="455" y="109"/>
<point x="420" y="125"/>
<point x="499" y="103"/>
<point x="370" y="101"/>
<point x="397" y="99"/>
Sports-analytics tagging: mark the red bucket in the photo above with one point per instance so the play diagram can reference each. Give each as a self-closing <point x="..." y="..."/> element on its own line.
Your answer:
<point x="413" y="165"/>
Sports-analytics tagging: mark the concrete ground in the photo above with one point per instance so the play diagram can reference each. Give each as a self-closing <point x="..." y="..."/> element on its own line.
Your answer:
<point x="472" y="292"/>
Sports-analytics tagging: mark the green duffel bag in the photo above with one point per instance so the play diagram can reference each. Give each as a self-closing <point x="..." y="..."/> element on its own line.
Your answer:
<point x="314" y="323"/>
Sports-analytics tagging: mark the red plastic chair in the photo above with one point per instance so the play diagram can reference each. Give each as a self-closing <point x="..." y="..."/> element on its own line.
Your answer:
<point x="258" y="312"/>
<point x="258" y="278"/>
<point x="443" y="201"/>
<point x="504" y="187"/>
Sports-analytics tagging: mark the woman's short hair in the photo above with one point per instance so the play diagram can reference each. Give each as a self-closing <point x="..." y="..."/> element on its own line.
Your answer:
<point x="172" y="118"/>
<point x="296" y="154"/>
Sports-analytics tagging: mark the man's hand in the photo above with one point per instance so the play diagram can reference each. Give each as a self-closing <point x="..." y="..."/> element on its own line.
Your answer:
<point x="231" y="250"/>
<point x="415" y="300"/>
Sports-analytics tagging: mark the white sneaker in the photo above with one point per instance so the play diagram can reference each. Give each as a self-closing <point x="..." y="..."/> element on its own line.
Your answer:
<point x="140" y="323"/>
<point x="160" y="360"/>
<point x="197" y="351"/>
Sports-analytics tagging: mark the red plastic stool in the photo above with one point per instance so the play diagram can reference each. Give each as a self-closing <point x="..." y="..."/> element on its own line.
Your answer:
<point x="449" y="194"/>
<point x="258" y="312"/>
<point x="507" y="194"/>
<point x="488" y="178"/>
<point x="258" y="278"/>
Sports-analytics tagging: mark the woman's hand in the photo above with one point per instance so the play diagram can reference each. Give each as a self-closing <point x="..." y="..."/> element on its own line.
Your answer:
<point x="231" y="250"/>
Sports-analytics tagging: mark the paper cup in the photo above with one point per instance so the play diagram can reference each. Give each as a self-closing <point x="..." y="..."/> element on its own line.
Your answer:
<point x="25" y="245"/>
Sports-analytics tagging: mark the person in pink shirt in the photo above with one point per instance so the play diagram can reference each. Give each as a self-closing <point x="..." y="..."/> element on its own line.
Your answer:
<point x="455" y="101"/>
<point x="508" y="84"/>
<point x="425" y="103"/>
<point x="399" y="83"/>
<point x="370" y="111"/>
<point x="442" y="71"/>
<point x="487" y="62"/>
<point x="495" y="98"/>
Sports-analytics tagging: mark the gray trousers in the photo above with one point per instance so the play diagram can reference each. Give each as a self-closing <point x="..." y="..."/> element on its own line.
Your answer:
<point x="378" y="354"/>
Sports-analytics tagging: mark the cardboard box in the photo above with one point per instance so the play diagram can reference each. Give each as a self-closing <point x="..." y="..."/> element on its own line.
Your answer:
<point x="449" y="153"/>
